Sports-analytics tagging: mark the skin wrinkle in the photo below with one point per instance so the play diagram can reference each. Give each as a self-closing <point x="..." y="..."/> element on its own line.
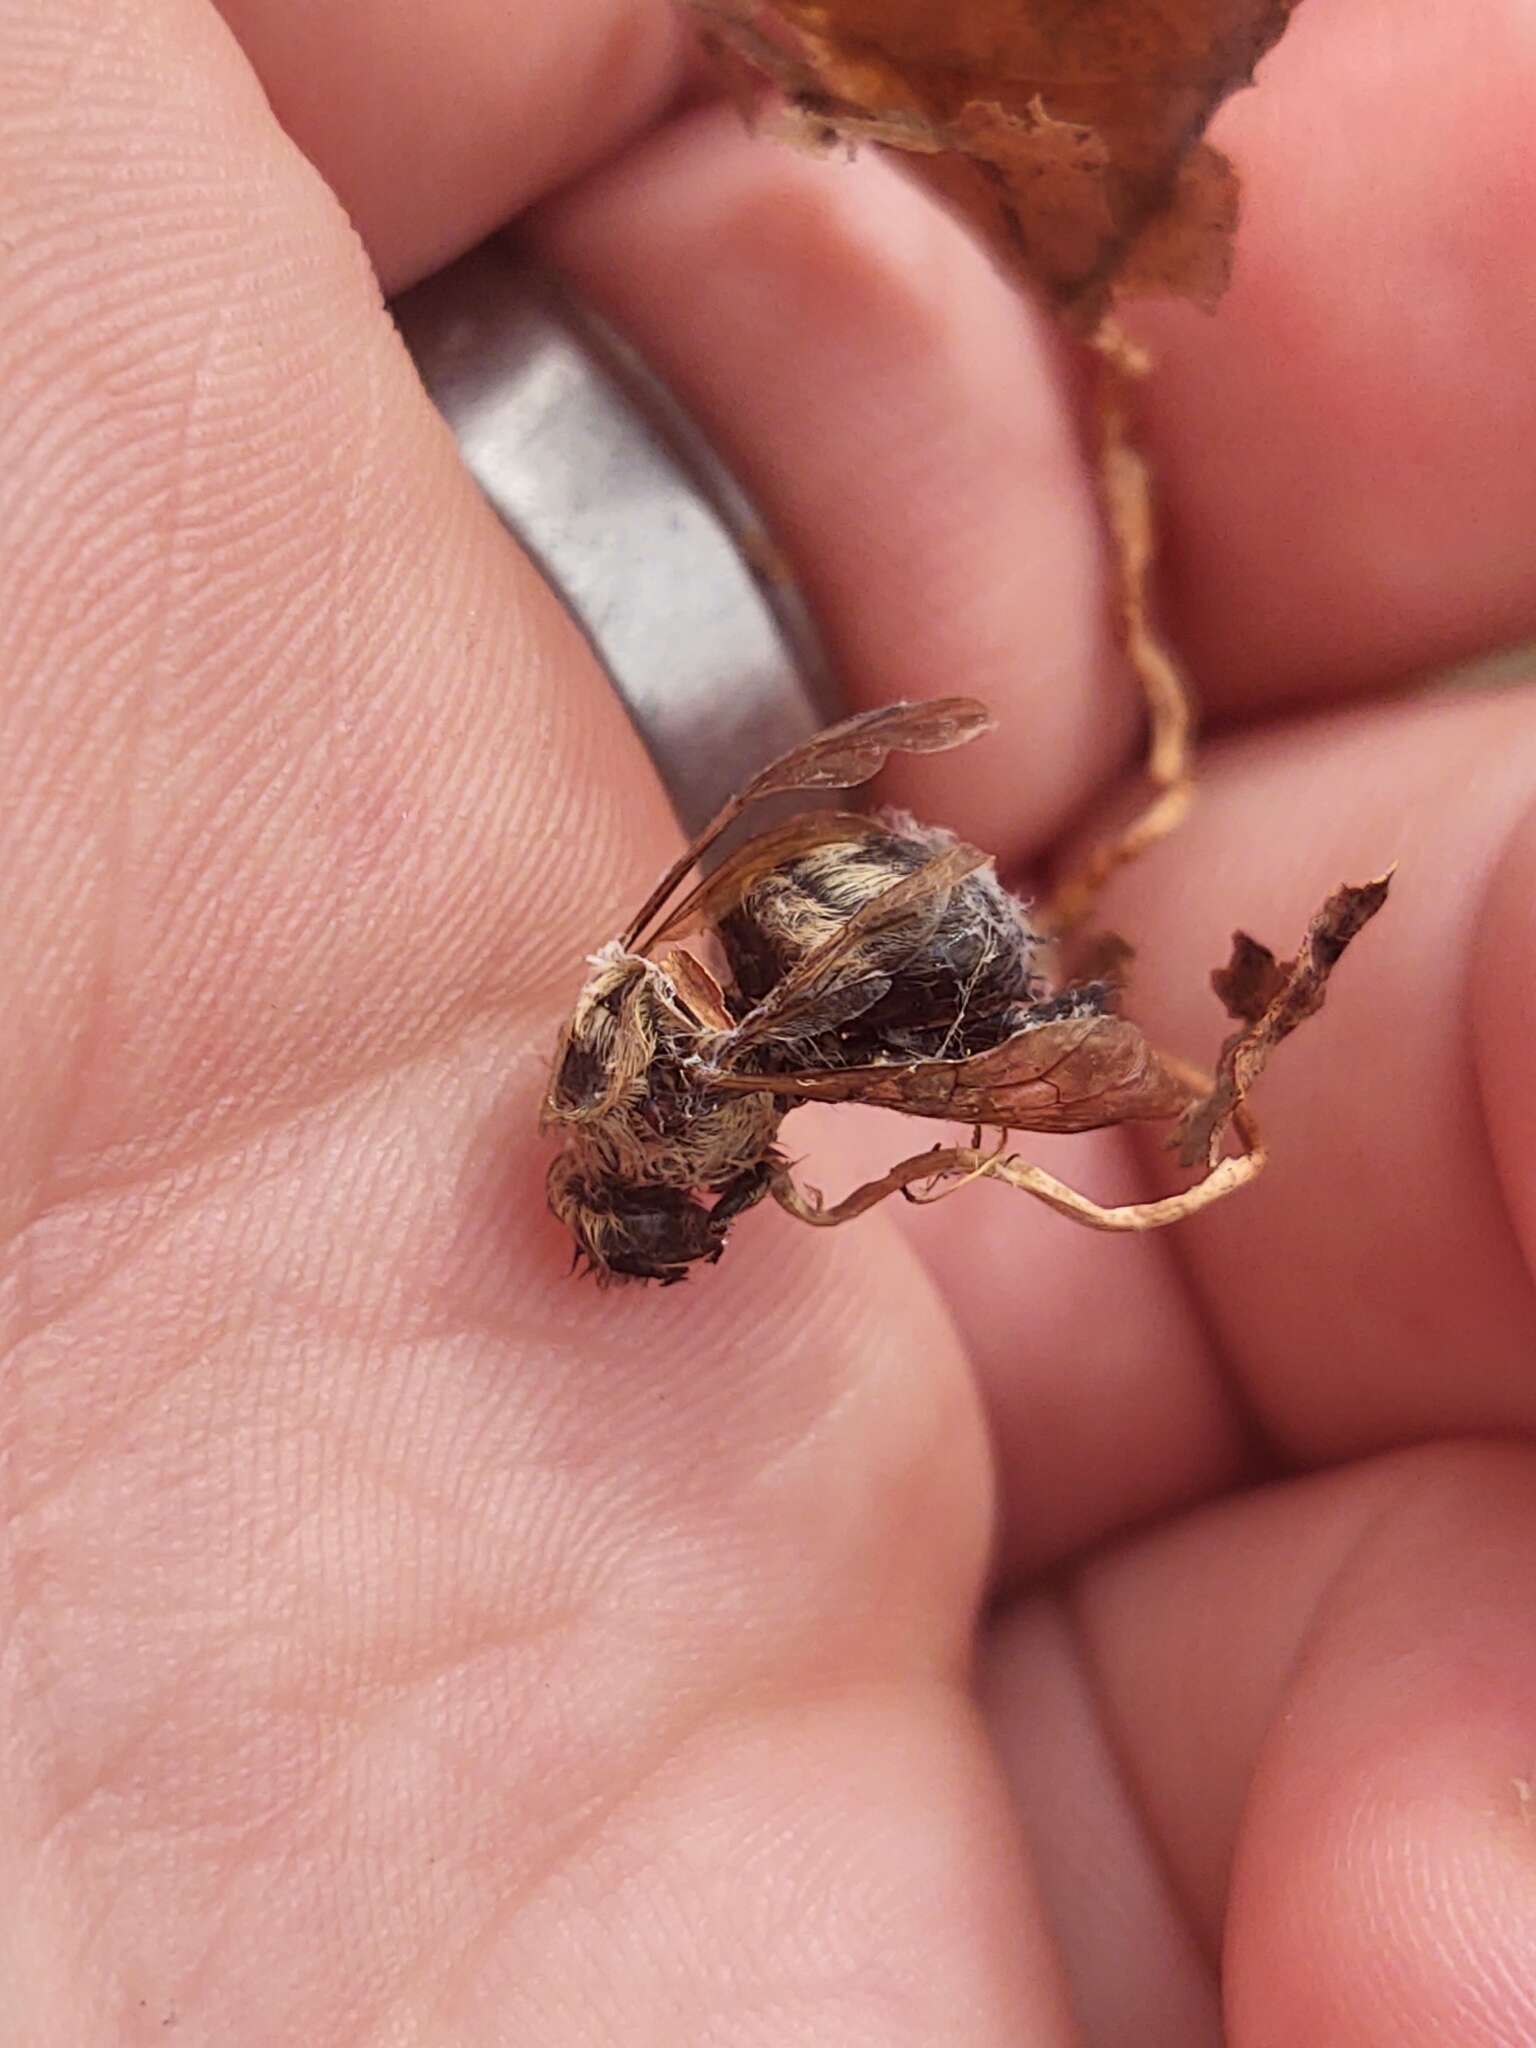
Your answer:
<point x="203" y="891"/>
<point x="211" y="846"/>
<point x="155" y="652"/>
<point x="45" y="1663"/>
<point x="1130" y="1761"/>
<point x="583" y="1824"/>
<point x="1053" y="1597"/>
<point x="302" y="1799"/>
<point x="1482" y="941"/>
<point x="392" y="1488"/>
<point x="102" y="1782"/>
<point x="118" y="852"/>
<point x="86" y="1042"/>
<point x="1481" y="1119"/>
<point x="366" y="464"/>
<point x="83" y="50"/>
<point x="436" y="1026"/>
<point x="193" y="1354"/>
<point x="239" y="1170"/>
<point x="1093" y="1681"/>
<point x="527" y="1053"/>
<point x="747" y="1701"/>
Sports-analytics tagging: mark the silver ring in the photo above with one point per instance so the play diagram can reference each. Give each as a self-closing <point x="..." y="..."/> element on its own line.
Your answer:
<point x="650" y="543"/>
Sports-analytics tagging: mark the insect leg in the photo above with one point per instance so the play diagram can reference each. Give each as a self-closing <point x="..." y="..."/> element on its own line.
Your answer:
<point x="744" y="1192"/>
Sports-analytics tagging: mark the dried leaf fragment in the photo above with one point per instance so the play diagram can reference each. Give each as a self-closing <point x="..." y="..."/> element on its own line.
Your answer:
<point x="1068" y="130"/>
<point x="1251" y="980"/>
<point x="1271" y="998"/>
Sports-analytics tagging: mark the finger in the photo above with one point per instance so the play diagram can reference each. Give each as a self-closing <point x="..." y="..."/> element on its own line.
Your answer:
<point x="894" y="408"/>
<point x="280" y="699"/>
<point x="1384" y="1879"/>
<point x="1297" y="1727"/>
<point x="434" y="125"/>
<point x="1343" y="448"/>
<point x="1375" y="1286"/>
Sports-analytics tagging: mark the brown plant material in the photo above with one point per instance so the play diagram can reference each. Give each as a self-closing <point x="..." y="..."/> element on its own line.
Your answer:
<point x="951" y="1168"/>
<point x="1270" y="998"/>
<point x="1068" y="131"/>
<point x="1125" y="489"/>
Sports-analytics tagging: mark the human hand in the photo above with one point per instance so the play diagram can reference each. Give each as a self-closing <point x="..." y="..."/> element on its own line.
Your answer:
<point x="406" y="1643"/>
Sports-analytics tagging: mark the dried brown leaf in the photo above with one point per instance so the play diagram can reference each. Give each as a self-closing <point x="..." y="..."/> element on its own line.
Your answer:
<point x="1251" y="980"/>
<point x="1273" y="998"/>
<point x="1068" y="130"/>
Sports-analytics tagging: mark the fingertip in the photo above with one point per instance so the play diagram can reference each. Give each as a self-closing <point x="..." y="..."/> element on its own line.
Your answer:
<point x="1385" y="1887"/>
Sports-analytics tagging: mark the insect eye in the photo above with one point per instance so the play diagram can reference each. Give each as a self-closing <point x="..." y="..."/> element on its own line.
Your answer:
<point x="583" y="1072"/>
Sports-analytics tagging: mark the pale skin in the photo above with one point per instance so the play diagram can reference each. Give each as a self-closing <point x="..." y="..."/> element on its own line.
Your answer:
<point x="407" y="1644"/>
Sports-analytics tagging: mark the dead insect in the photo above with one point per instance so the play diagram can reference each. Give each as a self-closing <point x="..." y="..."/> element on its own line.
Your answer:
<point x="866" y="960"/>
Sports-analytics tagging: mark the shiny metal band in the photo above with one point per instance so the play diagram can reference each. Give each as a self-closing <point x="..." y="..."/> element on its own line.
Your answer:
<point x="614" y="492"/>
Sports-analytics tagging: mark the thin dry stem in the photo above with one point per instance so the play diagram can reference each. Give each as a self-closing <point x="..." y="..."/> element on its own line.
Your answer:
<point x="958" y="1165"/>
<point x="1126" y="488"/>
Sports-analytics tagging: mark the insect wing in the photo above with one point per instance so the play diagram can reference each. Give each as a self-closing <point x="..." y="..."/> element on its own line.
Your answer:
<point x="720" y="892"/>
<point x="854" y="752"/>
<point x="809" y="996"/>
<point x="842" y="757"/>
<point x="1076" y="1074"/>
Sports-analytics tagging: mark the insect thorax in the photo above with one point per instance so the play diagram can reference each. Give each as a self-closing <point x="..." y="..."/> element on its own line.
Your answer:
<point x="958" y="969"/>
